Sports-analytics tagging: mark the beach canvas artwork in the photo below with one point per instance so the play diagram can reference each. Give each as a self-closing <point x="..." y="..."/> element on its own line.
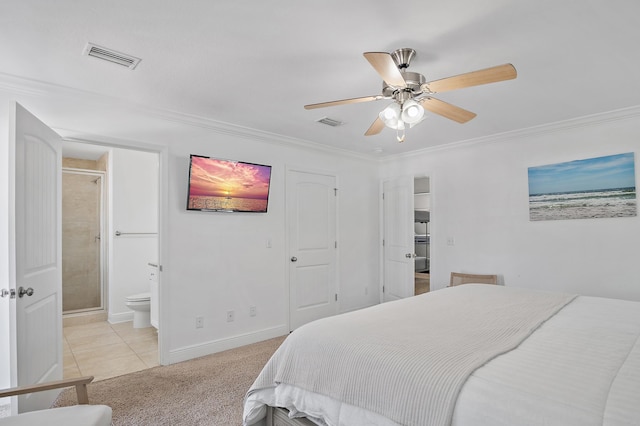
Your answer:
<point x="229" y="186"/>
<point x="601" y="187"/>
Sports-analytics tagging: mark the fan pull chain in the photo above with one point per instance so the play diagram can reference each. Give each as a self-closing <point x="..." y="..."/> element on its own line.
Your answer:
<point x="400" y="136"/>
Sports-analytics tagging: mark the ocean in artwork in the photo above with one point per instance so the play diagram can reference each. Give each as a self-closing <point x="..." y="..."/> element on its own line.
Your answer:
<point x="227" y="204"/>
<point x="602" y="187"/>
<point x="228" y="186"/>
<point x="615" y="202"/>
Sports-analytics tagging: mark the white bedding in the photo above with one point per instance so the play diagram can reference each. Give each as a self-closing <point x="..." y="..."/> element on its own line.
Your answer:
<point x="581" y="367"/>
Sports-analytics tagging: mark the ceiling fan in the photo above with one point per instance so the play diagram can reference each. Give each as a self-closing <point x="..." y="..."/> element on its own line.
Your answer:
<point x="411" y="93"/>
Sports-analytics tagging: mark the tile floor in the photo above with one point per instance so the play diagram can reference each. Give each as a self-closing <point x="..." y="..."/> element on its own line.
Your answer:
<point x="106" y="350"/>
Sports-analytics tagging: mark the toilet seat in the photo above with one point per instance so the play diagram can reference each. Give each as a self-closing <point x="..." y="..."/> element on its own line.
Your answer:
<point x="141" y="297"/>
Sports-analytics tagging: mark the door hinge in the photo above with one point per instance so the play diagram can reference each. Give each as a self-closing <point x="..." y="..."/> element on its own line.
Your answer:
<point x="8" y="293"/>
<point x="383" y="195"/>
<point x="383" y="289"/>
<point x="383" y="243"/>
<point x="335" y="192"/>
<point x="336" y="244"/>
<point x="336" y="297"/>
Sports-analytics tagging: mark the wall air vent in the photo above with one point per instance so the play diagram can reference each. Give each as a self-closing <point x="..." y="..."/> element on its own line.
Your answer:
<point x="330" y="122"/>
<point x="110" y="55"/>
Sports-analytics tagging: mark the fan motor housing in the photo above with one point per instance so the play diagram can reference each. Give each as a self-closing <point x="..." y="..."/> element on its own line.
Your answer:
<point x="414" y="84"/>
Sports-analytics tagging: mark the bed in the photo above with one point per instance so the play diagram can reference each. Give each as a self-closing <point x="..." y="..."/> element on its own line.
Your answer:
<point x="468" y="355"/>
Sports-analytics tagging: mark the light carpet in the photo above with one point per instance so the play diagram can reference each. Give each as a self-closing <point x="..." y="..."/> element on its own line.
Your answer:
<point x="204" y="391"/>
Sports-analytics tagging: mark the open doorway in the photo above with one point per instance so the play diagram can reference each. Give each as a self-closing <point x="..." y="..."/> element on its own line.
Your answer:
<point x="104" y="342"/>
<point x="422" y="234"/>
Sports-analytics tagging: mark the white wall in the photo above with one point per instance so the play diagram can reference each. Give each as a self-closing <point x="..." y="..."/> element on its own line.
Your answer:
<point x="480" y="198"/>
<point x="134" y="206"/>
<point x="218" y="262"/>
<point x="215" y="262"/>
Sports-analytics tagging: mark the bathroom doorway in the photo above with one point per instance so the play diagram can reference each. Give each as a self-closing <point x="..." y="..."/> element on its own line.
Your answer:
<point x="83" y="228"/>
<point x="102" y="342"/>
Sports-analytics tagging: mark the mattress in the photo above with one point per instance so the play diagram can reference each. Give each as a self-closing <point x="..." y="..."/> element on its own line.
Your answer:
<point x="580" y="367"/>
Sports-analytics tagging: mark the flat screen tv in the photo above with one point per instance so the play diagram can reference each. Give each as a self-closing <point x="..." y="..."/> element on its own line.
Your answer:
<point x="218" y="185"/>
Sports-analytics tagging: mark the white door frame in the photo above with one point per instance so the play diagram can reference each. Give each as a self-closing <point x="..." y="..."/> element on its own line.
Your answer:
<point x="163" y="231"/>
<point x="433" y="231"/>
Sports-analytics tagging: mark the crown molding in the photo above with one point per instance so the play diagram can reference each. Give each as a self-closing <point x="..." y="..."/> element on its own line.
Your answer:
<point x="555" y="127"/>
<point x="40" y="89"/>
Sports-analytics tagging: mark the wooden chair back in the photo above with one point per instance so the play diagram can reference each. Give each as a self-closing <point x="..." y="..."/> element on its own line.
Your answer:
<point x="458" y="278"/>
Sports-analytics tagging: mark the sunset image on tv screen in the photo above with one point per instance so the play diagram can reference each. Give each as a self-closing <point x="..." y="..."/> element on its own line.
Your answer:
<point x="223" y="185"/>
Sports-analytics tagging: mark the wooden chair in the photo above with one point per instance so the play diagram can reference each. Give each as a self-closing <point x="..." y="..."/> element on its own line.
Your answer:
<point x="81" y="414"/>
<point x="458" y="278"/>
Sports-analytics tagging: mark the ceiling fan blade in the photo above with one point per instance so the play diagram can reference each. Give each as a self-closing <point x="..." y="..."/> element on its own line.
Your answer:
<point x="447" y="110"/>
<point x="375" y="128"/>
<point x="384" y="64"/>
<point x="474" y="78"/>
<point x="343" y="102"/>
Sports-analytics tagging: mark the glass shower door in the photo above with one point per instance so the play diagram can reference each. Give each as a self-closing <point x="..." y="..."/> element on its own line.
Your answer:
<point x="81" y="241"/>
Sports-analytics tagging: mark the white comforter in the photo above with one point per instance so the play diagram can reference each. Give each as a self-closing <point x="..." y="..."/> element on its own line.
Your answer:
<point x="581" y="367"/>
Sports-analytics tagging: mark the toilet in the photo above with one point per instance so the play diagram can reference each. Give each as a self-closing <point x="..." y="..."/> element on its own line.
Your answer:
<point x="145" y="305"/>
<point x="140" y="304"/>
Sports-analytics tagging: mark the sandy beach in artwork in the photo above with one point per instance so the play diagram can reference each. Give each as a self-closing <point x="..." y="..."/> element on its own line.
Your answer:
<point x="618" y="202"/>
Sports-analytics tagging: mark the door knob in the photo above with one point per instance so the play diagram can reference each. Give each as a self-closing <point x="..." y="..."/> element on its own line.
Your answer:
<point x="409" y="255"/>
<point x="22" y="291"/>
<point x="294" y="259"/>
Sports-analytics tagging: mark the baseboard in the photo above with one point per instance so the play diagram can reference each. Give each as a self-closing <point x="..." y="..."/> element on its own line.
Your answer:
<point x="121" y="317"/>
<point x="81" y="318"/>
<point x="208" y="348"/>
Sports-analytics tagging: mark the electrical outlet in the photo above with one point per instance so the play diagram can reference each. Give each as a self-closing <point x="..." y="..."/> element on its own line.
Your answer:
<point x="252" y="311"/>
<point x="230" y="316"/>
<point x="199" y="322"/>
<point x="451" y="241"/>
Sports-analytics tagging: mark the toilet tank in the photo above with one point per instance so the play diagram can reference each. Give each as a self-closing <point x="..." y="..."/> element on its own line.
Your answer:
<point x="153" y="284"/>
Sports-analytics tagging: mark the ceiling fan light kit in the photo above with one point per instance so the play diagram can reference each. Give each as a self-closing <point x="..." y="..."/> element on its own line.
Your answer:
<point x="411" y="93"/>
<point x="390" y="116"/>
<point x="412" y="112"/>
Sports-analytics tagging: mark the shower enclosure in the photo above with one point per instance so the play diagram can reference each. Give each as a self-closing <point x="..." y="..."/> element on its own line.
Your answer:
<point x="82" y="244"/>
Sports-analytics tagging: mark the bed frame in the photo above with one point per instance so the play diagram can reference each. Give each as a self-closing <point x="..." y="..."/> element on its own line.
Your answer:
<point x="279" y="417"/>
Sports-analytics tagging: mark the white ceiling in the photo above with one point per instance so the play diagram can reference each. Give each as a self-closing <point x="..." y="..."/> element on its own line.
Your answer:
<point x="256" y="63"/>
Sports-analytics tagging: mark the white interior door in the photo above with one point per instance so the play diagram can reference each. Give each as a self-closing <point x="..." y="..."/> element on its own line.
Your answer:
<point x="311" y="218"/>
<point x="398" y="281"/>
<point x="35" y="257"/>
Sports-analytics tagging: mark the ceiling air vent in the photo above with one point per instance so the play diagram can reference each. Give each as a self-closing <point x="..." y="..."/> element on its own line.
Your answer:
<point x="330" y="122"/>
<point x="112" y="56"/>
